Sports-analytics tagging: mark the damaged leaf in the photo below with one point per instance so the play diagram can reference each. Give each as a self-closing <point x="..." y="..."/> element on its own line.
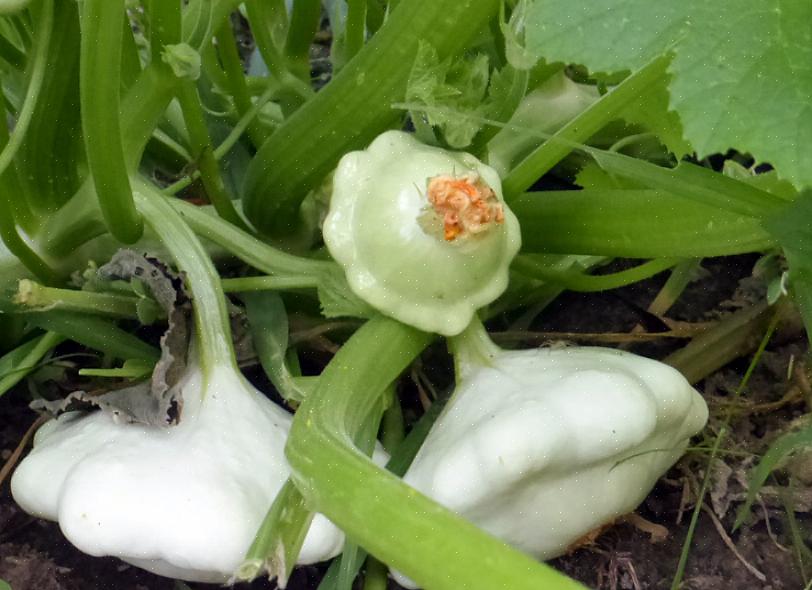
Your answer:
<point x="157" y="401"/>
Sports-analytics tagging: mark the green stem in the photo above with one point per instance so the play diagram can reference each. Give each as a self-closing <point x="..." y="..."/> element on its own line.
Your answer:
<point x="304" y="22"/>
<point x="398" y="525"/>
<point x="38" y="298"/>
<point x="243" y="284"/>
<point x="245" y="246"/>
<point x="402" y="457"/>
<point x="393" y="430"/>
<point x="24" y="359"/>
<point x="12" y="210"/>
<point x="165" y="25"/>
<point x="279" y="539"/>
<point x="99" y="87"/>
<point x="39" y="66"/>
<point x="203" y="154"/>
<point x="376" y="575"/>
<point x="581" y="128"/>
<point x="232" y="64"/>
<point x="19" y="247"/>
<point x="354" y="107"/>
<point x="211" y="317"/>
<point x="634" y="224"/>
<point x="586" y="283"/>
<point x="263" y="16"/>
<point x="734" y="336"/>
<point x="11" y="55"/>
<point x="676" y="583"/>
<point x="355" y="30"/>
<point x="142" y="108"/>
<point x="96" y="333"/>
<point x="79" y="220"/>
<point x="230" y="141"/>
<point x="680" y="278"/>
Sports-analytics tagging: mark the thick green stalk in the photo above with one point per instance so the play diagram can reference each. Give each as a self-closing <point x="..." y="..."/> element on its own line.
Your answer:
<point x="376" y="577"/>
<point x="165" y="25"/>
<point x="634" y="224"/>
<point x="270" y="283"/>
<point x="354" y="107"/>
<point x="581" y="128"/>
<point x="9" y="209"/>
<point x="355" y="30"/>
<point x="18" y="246"/>
<point x="212" y="328"/>
<point x="55" y="127"/>
<point x="574" y="280"/>
<point x="79" y="220"/>
<point x="245" y="246"/>
<point x="397" y="524"/>
<point x="204" y="154"/>
<point x="24" y="359"/>
<point x="39" y="61"/>
<point x="235" y="77"/>
<point x="682" y="275"/>
<point x="34" y="298"/>
<point x="734" y="336"/>
<point x="11" y="55"/>
<point x="280" y="537"/>
<point x="99" y="86"/>
<point x="96" y="333"/>
<point x="229" y="142"/>
<point x="266" y="18"/>
<point x="304" y="22"/>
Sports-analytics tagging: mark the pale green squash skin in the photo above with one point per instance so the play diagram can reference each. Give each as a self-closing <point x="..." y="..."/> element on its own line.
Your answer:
<point x="373" y="230"/>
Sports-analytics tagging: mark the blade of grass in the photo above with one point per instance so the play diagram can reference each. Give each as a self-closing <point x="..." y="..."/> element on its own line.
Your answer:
<point x="676" y="582"/>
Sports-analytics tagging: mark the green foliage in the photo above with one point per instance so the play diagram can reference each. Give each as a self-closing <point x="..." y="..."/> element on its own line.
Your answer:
<point x="651" y="111"/>
<point x="269" y="330"/>
<point x="781" y="448"/>
<point x="740" y="73"/>
<point x="791" y="228"/>
<point x="458" y="84"/>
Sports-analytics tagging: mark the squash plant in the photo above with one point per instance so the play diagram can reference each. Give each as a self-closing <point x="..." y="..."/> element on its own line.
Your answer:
<point x="203" y="134"/>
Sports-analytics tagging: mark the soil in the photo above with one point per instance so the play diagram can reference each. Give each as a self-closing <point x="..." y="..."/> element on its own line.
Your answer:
<point x="759" y="555"/>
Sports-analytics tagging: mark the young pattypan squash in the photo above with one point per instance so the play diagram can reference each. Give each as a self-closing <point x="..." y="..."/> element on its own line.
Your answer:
<point x="182" y="501"/>
<point x="541" y="447"/>
<point x="423" y="233"/>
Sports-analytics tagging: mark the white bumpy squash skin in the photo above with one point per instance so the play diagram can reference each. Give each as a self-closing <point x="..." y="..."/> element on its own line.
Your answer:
<point x="540" y="447"/>
<point x="182" y="501"/>
<point x="423" y="233"/>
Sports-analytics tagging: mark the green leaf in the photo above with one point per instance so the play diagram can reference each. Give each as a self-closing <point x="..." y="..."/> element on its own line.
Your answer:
<point x="4" y="585"/>
<point x="651" y="111"/>
<point x="741" y="72"/>
<point x="458" y="86"/>
<point x="269" y="329"/>
<point x="779" y="449"/>
<point x="337" y="299"/>
<point x="131" y="369"/>
<point x="791" y="228"/>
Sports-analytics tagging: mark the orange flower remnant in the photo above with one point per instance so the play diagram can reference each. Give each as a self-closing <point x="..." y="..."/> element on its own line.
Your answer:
<point x="467" y="205"/>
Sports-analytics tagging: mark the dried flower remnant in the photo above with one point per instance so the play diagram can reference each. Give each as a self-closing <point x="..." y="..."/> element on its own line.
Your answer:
<point x="467" y="205"/>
